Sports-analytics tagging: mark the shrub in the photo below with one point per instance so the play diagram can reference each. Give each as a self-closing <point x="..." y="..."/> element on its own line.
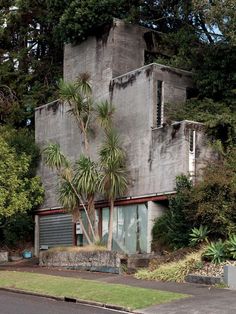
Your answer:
<point x="172" y="229"/>
<point x="173" y="271"/>
<point x="216" y="252"/>
<point x="199" y="235"/>
<point x="18" y="229"/>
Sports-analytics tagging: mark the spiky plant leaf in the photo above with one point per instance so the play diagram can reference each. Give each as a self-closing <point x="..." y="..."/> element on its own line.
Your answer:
<point x="199" y="235"/>
<point x="231" y="246"/>
<point x="86" y="176"/>
<point x="54" y="158"/>
<point x="216" y="252"/>
<point x="111" y="149"/>
<point x="67" y="197"/>
<point x="105" y="111"/>
<point x="114" y="179"/>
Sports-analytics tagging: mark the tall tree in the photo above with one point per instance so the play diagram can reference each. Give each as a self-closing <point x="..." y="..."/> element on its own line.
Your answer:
<point x="31" y="56"/>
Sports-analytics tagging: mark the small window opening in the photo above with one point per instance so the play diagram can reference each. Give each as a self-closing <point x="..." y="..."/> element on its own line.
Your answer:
<point x="159" y="104"/>
<point x="192" y="141"/>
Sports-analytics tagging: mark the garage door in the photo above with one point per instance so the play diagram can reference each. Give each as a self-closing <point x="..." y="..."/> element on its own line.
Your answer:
<point x="56" y="230"/>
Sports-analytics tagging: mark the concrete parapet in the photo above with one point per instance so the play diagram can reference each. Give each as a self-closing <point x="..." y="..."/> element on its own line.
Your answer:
<point x="101" y="261"/>
<point x="230" y="276"/>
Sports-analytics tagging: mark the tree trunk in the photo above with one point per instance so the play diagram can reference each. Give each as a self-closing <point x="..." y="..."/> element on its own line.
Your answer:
<point x="77" y="217"/>
<point x="109" y="241"/>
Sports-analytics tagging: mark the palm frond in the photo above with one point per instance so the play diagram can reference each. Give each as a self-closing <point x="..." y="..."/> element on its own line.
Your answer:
<point x="86" y="176"/>
<point x="67" y="90"/>
<point x="54" y="158"/>
<point x="113" y="182"/>
<point x="66" y="196"/>
<point x="105" y="111"/>
<point x="83" y="83"/>
<point x="111" y="149"/>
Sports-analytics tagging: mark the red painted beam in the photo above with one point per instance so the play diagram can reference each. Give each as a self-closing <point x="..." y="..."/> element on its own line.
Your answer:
<point x="102" y="204"/>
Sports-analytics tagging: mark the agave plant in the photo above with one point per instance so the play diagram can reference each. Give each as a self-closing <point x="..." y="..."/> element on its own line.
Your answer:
<point x="231" y="246"/>
<point x="199" y="235"/>
<point x="216" y="252"/>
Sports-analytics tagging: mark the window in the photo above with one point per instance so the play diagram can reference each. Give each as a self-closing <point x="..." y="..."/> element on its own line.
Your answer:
<point x="159" y="112"/>
<point x="192" y="142"/>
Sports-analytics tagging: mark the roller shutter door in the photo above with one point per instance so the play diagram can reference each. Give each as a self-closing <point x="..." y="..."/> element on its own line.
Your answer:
<point x="56" y="230"/>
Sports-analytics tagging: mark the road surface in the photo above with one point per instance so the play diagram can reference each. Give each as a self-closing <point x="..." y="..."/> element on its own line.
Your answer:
<point x="15" y="303"/>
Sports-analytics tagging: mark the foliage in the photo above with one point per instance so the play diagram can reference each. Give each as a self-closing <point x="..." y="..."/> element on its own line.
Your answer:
<point x="173" y="271"/>
<point x="199" y="235"/>
<point x="31" y="56"/>
<point x="114" y="181"/>
<point x="105" y="112"/>
<point x="231" y="246"/>
<point x="212" y="201"/>
<point x="18" y="229"/>
<point x="172" y="229"/>
<point x="89" y="17"/>
<point x="216" y="252"/>
<point x="19" y="192"/>
<point x="78" y="96"/>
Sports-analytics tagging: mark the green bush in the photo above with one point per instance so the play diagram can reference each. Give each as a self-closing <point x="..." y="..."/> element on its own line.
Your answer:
<point x="172" y="229"/>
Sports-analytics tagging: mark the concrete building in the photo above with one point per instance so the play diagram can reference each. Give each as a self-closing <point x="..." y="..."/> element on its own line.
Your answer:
<point x="156" y="151"/>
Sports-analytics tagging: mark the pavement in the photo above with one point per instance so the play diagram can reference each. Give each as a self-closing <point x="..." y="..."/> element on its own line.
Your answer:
<point x="203" y="300"/>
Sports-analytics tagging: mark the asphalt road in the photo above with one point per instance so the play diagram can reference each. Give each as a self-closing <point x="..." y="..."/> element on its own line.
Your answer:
<point x="15" y="303"/>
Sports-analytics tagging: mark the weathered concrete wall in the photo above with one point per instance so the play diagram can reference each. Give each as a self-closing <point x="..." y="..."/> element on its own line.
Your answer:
<point x="155" y="156"/>
<point x="103" y="261"/>
<point x="53" y="124"/>
<point x="118" y="51"/>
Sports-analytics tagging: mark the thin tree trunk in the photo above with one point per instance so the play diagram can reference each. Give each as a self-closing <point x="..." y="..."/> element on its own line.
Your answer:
<point x="84" y="230"/>
<point x="84" y="207"/>
<point x="109" y="241"/>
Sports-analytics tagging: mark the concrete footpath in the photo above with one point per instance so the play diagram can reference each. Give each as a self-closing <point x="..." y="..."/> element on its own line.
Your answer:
<point x="204" y="300"/>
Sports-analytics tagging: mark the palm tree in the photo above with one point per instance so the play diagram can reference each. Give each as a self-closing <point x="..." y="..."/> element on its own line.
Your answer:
<point x="86" y="181"/>
<point x="78" y="96"/>
<point x="114" y="176"/>
<point x="69" y="196"/>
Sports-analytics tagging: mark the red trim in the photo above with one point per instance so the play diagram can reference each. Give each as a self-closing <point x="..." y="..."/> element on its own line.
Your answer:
<point x="102" y="204"/>
<point x="133" y="201"/>
<point x="51" y="212"/>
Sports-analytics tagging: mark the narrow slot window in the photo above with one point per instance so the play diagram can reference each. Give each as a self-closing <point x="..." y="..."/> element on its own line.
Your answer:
<point x="159" y="104"/>
<point x="192" y="142"/>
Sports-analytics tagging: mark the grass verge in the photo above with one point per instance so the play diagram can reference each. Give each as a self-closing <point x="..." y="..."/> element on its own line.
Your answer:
<point x="125" y="296"/>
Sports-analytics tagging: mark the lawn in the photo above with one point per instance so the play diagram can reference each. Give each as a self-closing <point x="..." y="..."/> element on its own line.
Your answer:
<point x="125" y="296"/>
